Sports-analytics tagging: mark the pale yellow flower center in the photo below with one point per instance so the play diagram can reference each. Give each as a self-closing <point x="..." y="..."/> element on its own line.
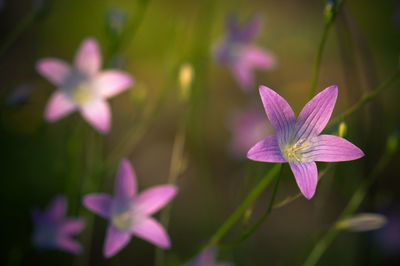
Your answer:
<point x="293" y="152"/>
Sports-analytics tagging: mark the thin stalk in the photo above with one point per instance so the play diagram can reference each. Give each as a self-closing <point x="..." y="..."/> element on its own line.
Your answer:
<point x="317" y="62"/>
<point x="234" y="218"/>
<point x="251" y="230"/>
<point x="176" y="170"/>
<point x="366" y="98"/>
<point x="351" y="207"/>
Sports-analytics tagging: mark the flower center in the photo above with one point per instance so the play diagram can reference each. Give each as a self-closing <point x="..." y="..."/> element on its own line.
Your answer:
<point x="124" y="215"/>
<point x="82" y="93"/>
<point x="295" y="152"/>
<point x="122" y="221"/>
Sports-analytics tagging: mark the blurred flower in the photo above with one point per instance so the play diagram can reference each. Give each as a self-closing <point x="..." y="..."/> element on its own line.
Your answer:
<point x="237" y="52"/>
<point x="298" y="141"/>
<point x="248" y="127"/>
<point x="2" y="3"/>
<point x="20" y="95"/>
<point x="116" y="20"/>
<point x="130" y="213"/>
<point x="83" y="87"/>
<point x="186" y="75"/>
<point x="207" y="258"/>
<point x="53" y="230"/>
<point x="363" y="222"/>
<point x="388" y="237"/>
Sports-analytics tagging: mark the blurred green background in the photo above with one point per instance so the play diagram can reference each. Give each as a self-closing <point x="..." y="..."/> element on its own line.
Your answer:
<point x="40" y="160"/>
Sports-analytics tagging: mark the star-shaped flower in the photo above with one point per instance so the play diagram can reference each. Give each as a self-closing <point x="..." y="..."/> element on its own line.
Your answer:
<point x="52" y="230"/>
<point x="298" y="141"/>
<point x="207" y="258"/>
<point x="240" y="55"/>
<point x="130" y="213"/>
<point x="83" y="86"/>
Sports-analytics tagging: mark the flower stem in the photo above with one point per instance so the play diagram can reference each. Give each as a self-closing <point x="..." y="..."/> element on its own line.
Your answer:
<point x="366" y="98"/>
<point x="318" y="58"/>
<point x="351" y="207"/>
<point x="251" y="230"/>
<point x="253" y="195"/>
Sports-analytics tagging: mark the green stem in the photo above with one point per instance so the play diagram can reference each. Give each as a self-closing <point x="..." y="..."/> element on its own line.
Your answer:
<point x="253" y="195"/>
<point x="351" y="207"/>
<point x="317" y="62"/>
<point x="251" y="230"/>
<point x="366" y="98"/>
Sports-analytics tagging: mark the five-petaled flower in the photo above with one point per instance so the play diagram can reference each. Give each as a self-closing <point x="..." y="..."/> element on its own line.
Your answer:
<point x="298" y="141"/>
<point x="130" y="213"/>
<point x="240" y="55"/>
<point x="207" y="258"/>
<point x="83" y="87"/>
<point x="52" y="230"/>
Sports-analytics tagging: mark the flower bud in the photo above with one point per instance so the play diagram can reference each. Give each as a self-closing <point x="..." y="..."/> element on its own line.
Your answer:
<point x="342" y="130"/>
<point x="186" y="75"/>
<point x="363" y="222"/>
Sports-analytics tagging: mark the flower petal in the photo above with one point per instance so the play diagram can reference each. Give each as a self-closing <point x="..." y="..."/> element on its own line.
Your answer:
<point x="57" y="209"/>
<point x="115" y="241"/>
<point x="243" y="75"/>
<point x="266" y="150"/>
<point x="316" y="113"/>
<point x="112" y="82"/>
<point x="55" y="70"/>
<point x="99" y="203"/>
<point x="279" y="113"/>
<point x="98" y="114"/>
<point x="306" y="175"/>
<point x="255" y="57"/>
<point x="150" y="230"/>
<point x="125" y="184"/>
<point x="69" y="245"/>
<point x="335" y="149"/>
<point x="88" y="58"/>
<point x="72" y="226"/>
<point x="58" y="106"/>
<point x="153" y="199"/>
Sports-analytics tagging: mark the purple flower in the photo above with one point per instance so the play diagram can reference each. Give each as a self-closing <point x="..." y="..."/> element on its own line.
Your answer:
<point x="247" y="127"/>
<point x="207" y="258"/>
<point x="53" y="230"/>
<point x="20" y="95"/>
<point x="387" y="238"/>
<point x="298" y="141"/>
<point x="83" y="87"/>
<point x="237" y="52"/>
<point x="130" y="213"/>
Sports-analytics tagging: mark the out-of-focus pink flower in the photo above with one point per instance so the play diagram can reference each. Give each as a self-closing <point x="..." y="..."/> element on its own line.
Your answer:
<point x="53" y="230"/>
<point x="83" y="87"/>
<point x="247" y="127"/>
<point x="20" y="95"/>
<point x="238" y="53"/>
<point x="207" y="258"/>
<point x="130" y="213"/>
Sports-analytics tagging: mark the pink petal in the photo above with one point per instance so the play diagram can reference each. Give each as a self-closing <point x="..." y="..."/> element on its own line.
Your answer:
<point x="306" y="175"/>
<point x="267" y="150"/>
<point x="58" y="106"/>
<point x="255" y="57"/>
<point x="125" y="184"/>
<point x="243" y="75"/>
<point x="279" y="113"/>
<point x="153" y="199"/>
<point x="335" y="149"/>
<point x="88" y="58"/>
<point x="115" y="241"/>
<point x="57" y="209"/>
<point x="98" y="114"/>
<point x="153" y="232"/>
<point x="315" y="115"/>
<point x="98" y="203"/>
<point x="55" y="70"/>
<point x="69" y="245"/>
<point x="72" y="226"/>
<point x="112" y="82"/>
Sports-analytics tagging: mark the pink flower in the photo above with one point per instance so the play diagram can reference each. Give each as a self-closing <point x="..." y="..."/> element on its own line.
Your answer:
<point x="240" y="55"/>
<point x="83" y="86"/>
<point x="130" y="213"/>
<point x="53" y="230"/>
